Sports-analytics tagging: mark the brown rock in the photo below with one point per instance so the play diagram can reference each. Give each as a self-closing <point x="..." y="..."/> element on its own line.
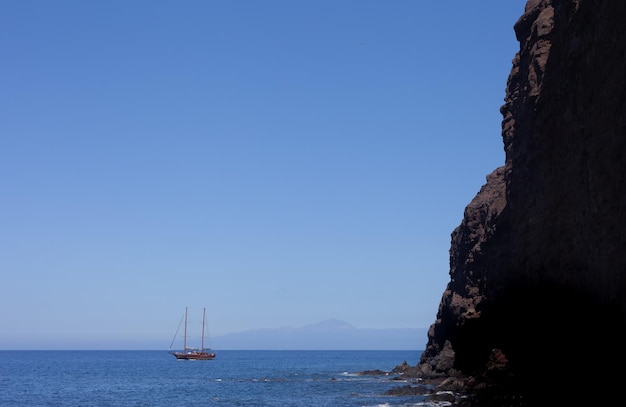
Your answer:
<point x="538" y="263"/>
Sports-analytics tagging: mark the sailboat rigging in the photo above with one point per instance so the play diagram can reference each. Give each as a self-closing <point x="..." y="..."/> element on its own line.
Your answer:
<point x="189" y="353"/>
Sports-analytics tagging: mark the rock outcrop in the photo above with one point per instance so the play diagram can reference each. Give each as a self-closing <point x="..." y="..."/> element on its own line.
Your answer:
<point x="535" y="310"/>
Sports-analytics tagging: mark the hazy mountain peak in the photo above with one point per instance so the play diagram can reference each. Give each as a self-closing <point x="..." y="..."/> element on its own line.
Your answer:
<point x="329" y="334"/>
<point x="329" y="324"/>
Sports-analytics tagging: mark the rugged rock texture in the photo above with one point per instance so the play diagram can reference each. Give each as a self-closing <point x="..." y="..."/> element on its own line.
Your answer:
<point x="535" y="310"/>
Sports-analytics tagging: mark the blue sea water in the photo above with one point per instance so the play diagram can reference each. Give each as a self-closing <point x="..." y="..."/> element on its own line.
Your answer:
<point x="233" y="378"/>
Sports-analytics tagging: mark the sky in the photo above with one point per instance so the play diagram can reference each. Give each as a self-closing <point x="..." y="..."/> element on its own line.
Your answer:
<point x="278" y="162"/>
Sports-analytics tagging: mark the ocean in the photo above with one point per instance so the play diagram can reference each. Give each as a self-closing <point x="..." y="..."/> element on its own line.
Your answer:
<point x="233" y="378"/>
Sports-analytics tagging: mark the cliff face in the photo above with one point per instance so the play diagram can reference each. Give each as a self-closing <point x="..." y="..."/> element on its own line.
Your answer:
<point x="537" y="294"/>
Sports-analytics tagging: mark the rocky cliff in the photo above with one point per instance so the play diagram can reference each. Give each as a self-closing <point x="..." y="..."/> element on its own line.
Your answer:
<point x="535" y="310"/>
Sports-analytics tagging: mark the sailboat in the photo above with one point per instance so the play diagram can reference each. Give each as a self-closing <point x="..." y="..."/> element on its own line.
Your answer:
<point x="193" y="353"/>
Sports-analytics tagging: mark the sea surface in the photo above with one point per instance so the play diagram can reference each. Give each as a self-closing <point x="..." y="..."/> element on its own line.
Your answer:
<point x="233" y="378"/>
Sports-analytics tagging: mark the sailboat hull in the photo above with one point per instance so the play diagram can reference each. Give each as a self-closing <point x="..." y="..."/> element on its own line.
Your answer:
<point x="194" y="355"/>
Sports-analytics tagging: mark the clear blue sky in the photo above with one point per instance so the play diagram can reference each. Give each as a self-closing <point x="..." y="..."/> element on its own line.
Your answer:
<point x="279" y="162"/>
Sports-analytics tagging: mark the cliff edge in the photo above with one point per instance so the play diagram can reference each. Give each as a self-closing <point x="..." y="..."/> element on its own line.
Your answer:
<point x="535" y="310"/>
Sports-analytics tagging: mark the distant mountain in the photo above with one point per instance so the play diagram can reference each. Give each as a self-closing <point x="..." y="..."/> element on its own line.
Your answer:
<point x="326" y="335"/>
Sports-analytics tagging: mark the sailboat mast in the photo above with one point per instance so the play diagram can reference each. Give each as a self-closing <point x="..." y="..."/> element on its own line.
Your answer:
<point x="203" y="319"/>
<point x="185" y="336"/>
